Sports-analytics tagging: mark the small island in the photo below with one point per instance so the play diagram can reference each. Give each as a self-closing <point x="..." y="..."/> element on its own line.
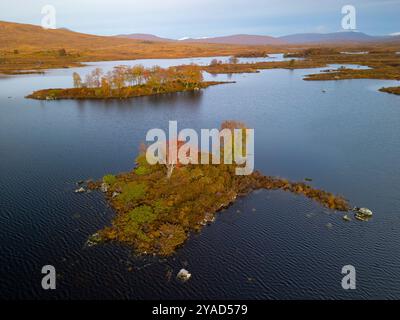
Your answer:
<point x="127" y="82"/>
<point x="156" y="212"/>
<point x="382" y="64"/>
<point x="393" y="90"/>
<point x="233" y="66"/>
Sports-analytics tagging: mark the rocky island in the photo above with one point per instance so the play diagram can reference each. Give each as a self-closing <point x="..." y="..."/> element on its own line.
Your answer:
<point x="155" y="212"/>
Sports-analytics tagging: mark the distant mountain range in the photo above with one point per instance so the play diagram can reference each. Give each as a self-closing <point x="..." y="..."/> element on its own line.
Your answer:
<point x="300" y="38"/>
<point x="246" y="39"/>
<point x="144" y="37"/>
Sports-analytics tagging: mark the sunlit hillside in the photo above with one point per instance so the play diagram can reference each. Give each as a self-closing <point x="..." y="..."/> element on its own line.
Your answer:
<point x="26" y="47"/>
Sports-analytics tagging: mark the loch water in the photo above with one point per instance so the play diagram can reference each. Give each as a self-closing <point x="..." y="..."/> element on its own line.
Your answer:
<point x="345" y="135"/>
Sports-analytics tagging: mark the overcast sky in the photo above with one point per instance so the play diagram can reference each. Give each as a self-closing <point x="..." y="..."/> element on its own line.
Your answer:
<point x="201" y="18"/>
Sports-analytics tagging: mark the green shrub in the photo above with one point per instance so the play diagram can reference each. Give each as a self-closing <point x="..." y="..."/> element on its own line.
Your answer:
<point x="62" y="52"/>
<point x="160" y="207"/>
<point x="141" y="160"/>
<point x="142" y="170"/>
<point x="142" y="214"/>
<point x="109" y="179"/>
<point x="137" y="217"/>
<point x="133" y="191"/>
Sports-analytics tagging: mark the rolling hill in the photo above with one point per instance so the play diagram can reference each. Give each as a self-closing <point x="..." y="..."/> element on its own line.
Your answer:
<point x="144" y="37"/>
<point x="17" y="35"/>
<point x="239" y="39"/>
<point x="261" y="40"/>
<point x="30" y="47"/>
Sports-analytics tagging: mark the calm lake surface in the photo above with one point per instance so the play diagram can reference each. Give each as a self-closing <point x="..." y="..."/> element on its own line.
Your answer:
<point x="347" y="140"/>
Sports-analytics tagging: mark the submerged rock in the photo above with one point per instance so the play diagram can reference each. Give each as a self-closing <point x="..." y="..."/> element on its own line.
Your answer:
<point x="93" y="239"/>
<point x="361" y="218"/>
<point x="76" y="215"/>
<point x="363" y="211"/>
<point x="362" y="214"/>
<point x="80" y="190"/>
<point x="346" y="218"/>
<point x="183" y="275"/>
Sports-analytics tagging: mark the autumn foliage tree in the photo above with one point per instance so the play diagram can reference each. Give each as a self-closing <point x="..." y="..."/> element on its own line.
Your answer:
<point x="233" y="60"/>
<point x="77" y="80"/>
<point x="171" y="159"/>
<point x="215" y="62"/>
<point x="232" y="125"/>
<point x="121" y="80"/>
<point x="105" y="87"/>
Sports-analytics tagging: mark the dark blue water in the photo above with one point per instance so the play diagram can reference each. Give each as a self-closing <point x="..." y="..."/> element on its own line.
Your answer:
<point x="268" y="245"/>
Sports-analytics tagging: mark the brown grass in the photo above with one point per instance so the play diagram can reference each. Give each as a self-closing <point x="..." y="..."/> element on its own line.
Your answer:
<point x="229" y="68"/>
<point x="26" y="47"/>
<point x="384" y="64"/>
